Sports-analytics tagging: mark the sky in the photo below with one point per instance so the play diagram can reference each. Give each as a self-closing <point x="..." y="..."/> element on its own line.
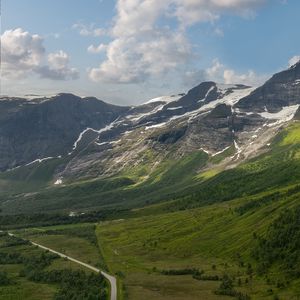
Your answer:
<point x="129" y="51"/>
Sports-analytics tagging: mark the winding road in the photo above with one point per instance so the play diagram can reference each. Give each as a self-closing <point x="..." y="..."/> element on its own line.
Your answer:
<point x="112" y="280"/>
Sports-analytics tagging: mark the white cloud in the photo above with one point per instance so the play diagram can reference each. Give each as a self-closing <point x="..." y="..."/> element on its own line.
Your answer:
<point x="293" y="60"/>
<point x="21" y="52"/>
<point x="24" y="54"/>
<point x="132" y="59"/>
<point x="231" y="76"/>
<point x="220" y="73"/>
<point x="58" y="67"/>
<point x="96" y="49"/>
<point x="216" y="71"/>
<point x="89" y="30"/>
<point x="58" y="60"/>
<point x="141" y="47"/>
<point x="193" y="11"/>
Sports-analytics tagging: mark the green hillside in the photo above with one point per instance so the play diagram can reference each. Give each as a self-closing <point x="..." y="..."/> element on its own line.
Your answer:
<point x="251" y="247"/>
<point x="174" y="179"/>
<point x="187" y="234"/>
<point x="253" y="241"/>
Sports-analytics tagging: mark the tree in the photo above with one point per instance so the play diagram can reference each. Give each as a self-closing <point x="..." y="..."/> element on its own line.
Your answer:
<point x="227" y="283"/>
<point x="4" y="280"/>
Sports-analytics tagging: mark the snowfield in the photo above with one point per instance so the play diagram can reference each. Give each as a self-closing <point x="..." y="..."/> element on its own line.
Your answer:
<point x="166" y="99"/>
<point x="286" y="114"/>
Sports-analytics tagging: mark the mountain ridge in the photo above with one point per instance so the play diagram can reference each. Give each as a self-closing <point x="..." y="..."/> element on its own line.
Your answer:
<point x="210" y="129"/>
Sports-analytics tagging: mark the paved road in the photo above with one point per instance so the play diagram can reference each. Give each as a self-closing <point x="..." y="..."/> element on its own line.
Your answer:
<point x="112" y="280"/>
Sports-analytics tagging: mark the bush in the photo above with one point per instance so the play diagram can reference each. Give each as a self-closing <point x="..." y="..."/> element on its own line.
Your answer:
<point x="207" y="277"/>
<point x="182" y="272"/>
<point x="11" y="258"/>
<point x="4" y="280"/>
<point x="226" y="289"/>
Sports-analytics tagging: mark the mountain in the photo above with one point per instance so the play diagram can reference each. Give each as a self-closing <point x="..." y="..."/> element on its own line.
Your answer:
<point x="106" y="156"/>
<point x="193" y="190"/>
<point x="282" y="90"/>
<point x="32" y="130"/>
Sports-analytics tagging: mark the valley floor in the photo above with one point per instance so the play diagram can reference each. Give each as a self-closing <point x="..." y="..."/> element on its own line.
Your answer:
<point x="160" y="256"/>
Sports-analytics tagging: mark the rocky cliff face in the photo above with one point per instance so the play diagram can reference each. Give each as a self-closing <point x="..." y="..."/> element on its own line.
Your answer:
<point x="283" y="89"/>
<point x="48" y="127"/>
<point x="101" y="139"/>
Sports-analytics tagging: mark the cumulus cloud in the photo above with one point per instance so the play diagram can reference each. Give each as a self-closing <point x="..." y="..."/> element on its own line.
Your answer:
<point x="58" y="67"/>
<point x="220" y="73"/>
<point x="293" y="60"/>
<point x="132" y="60"/>
<point x="24" y="53"/>
<point x="193" y="11"/>
<point x="89" y="30"/>
<point x="21" y="52"/>
<point x="96" y="49"/>
<point x="141" y="47"/>
<point x="216" y="71"/>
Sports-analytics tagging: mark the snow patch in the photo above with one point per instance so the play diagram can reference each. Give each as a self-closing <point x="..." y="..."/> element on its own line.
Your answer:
<point x="12" y="169"/>
<point x="174" y="108"/>
<point x="230" y="99"/>
<point x="115" y="142"/>
<point x="258" y="129"/>
<point x="127" y="132"/>
<point x="219" y="152"/>
<point x="106" y="128"/>
<point x="100" y="144"/>
<point x="286" y="114"/>
<point x="105" y="143"/>
<point x="155" y="126"/>
<point x="58" y="182"/>
<point x="206" y="151"/>
<point x="39" y="160"/>
<point x="166" y="99"/>
<point x="81" y="136"/>
<point x="137" y="117"/>
<point x="238" y="148"/>
<point x="206" y="95"/>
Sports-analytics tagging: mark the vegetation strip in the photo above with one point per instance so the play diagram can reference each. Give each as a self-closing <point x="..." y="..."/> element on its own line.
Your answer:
<point x="112" y="280"/>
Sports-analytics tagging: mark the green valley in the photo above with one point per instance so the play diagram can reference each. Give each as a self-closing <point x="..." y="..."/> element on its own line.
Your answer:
<point x="150" y="150"/>
<point x="253" y="238"/>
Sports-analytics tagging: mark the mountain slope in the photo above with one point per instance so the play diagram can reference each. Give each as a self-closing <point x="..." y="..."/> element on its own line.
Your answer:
<point x="48" y="127"/>
<point x="280" y="91"/>
<point x="217" y="239"/>
<point x="210" y="117"/>
<point x="181" y="184"/>
<point x="166" y="148"/>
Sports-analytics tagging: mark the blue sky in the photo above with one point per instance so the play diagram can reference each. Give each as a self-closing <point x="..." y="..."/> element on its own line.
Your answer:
<point x="128" y="51"/>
